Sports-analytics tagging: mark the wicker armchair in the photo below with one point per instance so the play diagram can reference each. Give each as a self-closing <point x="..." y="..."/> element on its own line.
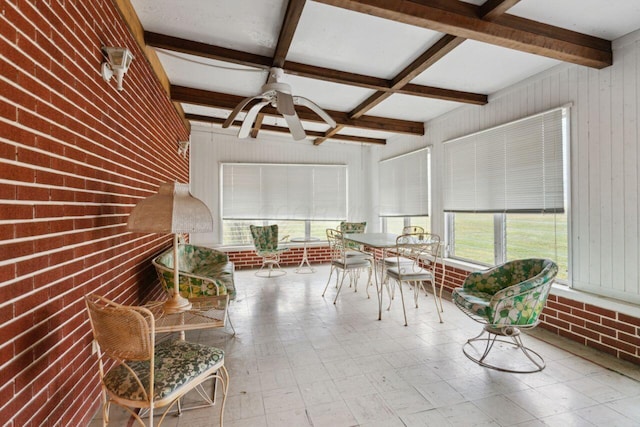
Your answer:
<point x="506" y="299"/>
<point x="124" y="337"/>
<point x="203" y="272"/>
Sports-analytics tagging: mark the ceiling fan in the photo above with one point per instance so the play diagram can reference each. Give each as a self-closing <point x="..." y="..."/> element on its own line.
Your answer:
<point x="278" y="94"/>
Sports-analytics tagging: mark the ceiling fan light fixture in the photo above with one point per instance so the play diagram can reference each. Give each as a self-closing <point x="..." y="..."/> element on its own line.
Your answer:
<point x="279" y="95"/>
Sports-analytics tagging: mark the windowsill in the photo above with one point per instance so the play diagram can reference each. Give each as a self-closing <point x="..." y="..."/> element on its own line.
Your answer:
<point x="565" y="291"/>
<point x="239" y="248"/>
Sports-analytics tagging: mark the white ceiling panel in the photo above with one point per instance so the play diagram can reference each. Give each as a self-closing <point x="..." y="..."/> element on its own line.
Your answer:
<point x="328" y="95"/>
<point x="414" y="108"/>
<point x="336" y="38"/>
<point x="482" y="68"/>
<point x="246" y="25"/>
<point x="607" y="19"/>
<point x="209" y="74"/>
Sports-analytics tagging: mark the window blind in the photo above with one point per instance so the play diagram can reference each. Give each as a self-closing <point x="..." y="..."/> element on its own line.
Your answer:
<point x="404" y="184"/>
<point x="283" y="191"/>
<point x="516" y="167"/>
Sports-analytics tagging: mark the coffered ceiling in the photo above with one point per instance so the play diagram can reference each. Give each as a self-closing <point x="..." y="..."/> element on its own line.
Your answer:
<point x="378" y="67"/>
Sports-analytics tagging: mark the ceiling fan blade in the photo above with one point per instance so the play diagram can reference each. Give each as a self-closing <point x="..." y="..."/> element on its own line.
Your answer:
<point x="284" y="103"/>
<point x="295" y="126"/>
<point x="250" y="118"/>
<point x="237" y="110"/>
<point x="300" y="100"/>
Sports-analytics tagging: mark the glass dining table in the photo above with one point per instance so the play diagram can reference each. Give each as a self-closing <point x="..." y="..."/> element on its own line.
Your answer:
<point x="380" y="242"/>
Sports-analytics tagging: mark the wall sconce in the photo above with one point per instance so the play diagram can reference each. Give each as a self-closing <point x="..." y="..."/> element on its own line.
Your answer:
<point x="118" y="61"/>
<point x="183" y="148"/>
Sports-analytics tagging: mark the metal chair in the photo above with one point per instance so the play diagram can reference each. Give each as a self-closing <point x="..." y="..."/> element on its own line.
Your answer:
<point x="506" y="299"/>
<point x="412" y="229"/>
<point x="124" y="338"/>
<point x="265" y="240"/>
<point x="417" y="255"/>
<point x="340" y="261"/>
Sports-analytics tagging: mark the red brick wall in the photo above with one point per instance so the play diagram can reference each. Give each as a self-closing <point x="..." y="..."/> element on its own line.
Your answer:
<point x="248" y="258"/>
<point x="75" y="156"/>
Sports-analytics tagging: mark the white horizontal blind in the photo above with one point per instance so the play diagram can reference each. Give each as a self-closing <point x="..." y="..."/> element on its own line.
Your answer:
<point x="283" y="191"/>
<point x="404" y="184"/>
<point x="517" y="167"/>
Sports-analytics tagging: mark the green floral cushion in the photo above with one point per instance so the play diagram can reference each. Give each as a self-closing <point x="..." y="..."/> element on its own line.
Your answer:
<point x="176" y="363"/>
<point x="510" y="294"/>
<point x="265" y="240"/>
<point x="203" y="272"/>
<point x="352" y="227"/>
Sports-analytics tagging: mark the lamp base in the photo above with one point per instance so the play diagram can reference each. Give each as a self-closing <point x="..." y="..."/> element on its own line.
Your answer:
<point x="177" y="304"/>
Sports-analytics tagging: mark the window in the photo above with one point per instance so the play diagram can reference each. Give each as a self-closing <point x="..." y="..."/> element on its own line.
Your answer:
<point x="396" y="224"/>
<point x="504" y="192"/>
<point x="303" y="200"/>
<point x="404" y="191"/>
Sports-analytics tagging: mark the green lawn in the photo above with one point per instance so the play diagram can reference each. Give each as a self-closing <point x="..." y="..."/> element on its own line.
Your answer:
<point x="527" y="235"/>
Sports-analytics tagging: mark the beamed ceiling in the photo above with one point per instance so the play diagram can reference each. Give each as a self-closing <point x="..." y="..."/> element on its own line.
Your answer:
<point x="378" y="67"/>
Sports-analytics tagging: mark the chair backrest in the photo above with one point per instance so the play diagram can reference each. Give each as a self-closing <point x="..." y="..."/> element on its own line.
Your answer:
<point x="265" y="238"/>
<point x="423" y="249"/>
<point x="191" y="257"/>
<point x="522" y="303"/>
<point x="526" y="273"/>
<point x="353" y="227"/>
<point x="412" y="229"/>
<point x="122" y="332"/>
<point x="336" y="244"/>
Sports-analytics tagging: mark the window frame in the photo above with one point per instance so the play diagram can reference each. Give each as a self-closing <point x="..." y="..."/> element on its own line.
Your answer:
<point x="500" y="218"/>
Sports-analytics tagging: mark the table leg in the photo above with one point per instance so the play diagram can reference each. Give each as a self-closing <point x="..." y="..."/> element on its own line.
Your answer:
<point x="305" y="260"/>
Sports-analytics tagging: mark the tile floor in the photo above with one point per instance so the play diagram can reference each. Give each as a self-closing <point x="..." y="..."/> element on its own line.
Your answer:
<point x="299" y="360"/>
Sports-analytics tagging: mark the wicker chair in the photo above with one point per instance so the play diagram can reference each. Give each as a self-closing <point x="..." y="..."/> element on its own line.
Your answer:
<point x="506" y="299"/>
<point x="265" y="240"/>
<point x="124" y="337"/>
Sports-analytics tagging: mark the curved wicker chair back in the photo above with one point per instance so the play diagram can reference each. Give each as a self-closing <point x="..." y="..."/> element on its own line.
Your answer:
<point x="203" y="272"/>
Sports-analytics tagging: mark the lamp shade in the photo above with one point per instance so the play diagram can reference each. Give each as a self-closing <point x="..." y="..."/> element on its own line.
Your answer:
<point x="172" y="210"/>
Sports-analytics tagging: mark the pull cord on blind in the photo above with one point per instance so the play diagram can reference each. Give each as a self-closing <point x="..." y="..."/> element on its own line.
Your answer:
<point x="513" y="168"/>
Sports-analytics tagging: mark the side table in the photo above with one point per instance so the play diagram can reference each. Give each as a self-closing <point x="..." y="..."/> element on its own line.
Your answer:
<point x="305" y="266"/>
<point x="206" y="312"/>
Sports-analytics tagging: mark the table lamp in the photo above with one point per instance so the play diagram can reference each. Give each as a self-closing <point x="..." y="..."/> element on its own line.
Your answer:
<point x="172" y="210"/>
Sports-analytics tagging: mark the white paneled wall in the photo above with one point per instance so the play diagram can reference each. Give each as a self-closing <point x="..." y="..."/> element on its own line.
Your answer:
<point x="604" y="160"/>
<point x="209" y="149"/>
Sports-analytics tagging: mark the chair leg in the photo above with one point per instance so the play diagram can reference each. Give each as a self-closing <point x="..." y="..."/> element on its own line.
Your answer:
<point x="329" y="281"/>
<point x="404" y="310"/>
<point x="231" y="323"/>
<point x="493" y="336"/>
<point x="344" y="273"/>
<point x="435" y="299"/>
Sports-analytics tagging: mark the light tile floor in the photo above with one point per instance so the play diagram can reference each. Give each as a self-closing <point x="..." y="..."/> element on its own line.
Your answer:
<point x="299" y="360"/>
